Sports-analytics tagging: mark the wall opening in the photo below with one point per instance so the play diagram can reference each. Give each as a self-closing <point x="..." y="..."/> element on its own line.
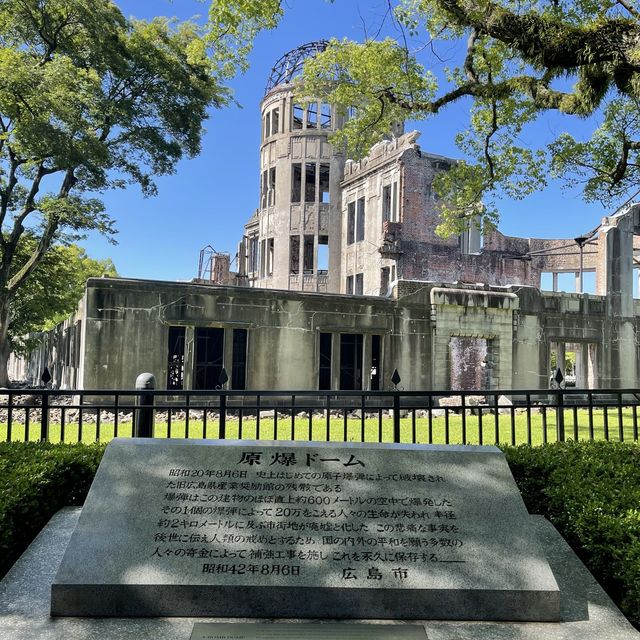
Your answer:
<point x="384" y="280"/>
<point x="209" y="357"/>
<point x="298" y="117"/>
<point x="271" y="187"/>
<point x="296" y="181"/>
<point x="324" y="362"/>
<point x="269" y="265"/>
<point x="351" y="361"/>
<point x="324" y="183"/>
<point x="351" y="222"/>
<point x="323" y="255"/>
<point x="386" y="203"/>
<point x="349" y="285"/>
<point x="239" y="359"/>
<point x="577" y="361"/>
<point x="310" y="182"/>
<point x="294" y="254"/>
<point x="312" y="116"/>
<point x="359" y="284"/>
<point x="325" y="116"/>
<point x="376" y="372"/>
<point x="360" y="223"/>
<point x="175" y="362"/>
<point x="307" y="255"/>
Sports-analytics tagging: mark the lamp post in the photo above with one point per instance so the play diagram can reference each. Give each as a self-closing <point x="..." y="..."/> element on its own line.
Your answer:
<point x="581" y="241"/>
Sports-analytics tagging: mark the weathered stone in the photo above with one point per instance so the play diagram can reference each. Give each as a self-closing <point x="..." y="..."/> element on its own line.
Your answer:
<point x="446" y="526"/>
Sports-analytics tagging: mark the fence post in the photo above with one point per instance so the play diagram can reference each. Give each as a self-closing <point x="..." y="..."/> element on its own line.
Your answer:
<point x="143" y="425"/>
<point x="396" y="416"/>
<point x="44" y="417"/>
<point x="560" y="416"/>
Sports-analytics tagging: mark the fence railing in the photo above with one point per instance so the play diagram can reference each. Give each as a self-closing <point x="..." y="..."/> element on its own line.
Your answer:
<point x="448" y="417"/>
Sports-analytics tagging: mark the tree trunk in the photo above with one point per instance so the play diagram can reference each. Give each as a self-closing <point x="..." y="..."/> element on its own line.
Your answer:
<point x="5" y="349"/>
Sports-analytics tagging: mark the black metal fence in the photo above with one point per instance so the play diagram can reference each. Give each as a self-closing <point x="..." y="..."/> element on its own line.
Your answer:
<point x="448" y="417"/>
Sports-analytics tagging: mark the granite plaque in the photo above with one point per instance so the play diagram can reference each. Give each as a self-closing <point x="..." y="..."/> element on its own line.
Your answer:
<point x="304" y="530"/>
<point x="311" y="631"/>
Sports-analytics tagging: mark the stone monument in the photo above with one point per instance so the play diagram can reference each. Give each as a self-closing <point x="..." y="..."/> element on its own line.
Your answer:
<point x="304" y="530"/>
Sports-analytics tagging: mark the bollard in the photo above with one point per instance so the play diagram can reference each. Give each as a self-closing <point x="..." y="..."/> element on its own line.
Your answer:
<point x="143" y="424"/>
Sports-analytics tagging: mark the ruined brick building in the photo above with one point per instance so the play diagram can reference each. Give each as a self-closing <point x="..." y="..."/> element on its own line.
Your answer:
<point x="328" y="224"/>
<point x="341" y="279"/>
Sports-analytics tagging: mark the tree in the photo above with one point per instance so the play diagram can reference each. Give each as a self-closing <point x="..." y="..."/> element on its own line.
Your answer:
<point x="522" y="59"/>
<point x="53" y="290"/>
<point x="88" y="101"/>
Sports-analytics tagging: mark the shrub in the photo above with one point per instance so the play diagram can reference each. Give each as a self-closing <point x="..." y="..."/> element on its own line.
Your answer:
<point x="37" y="479"/>
<point x="591" y="492"/>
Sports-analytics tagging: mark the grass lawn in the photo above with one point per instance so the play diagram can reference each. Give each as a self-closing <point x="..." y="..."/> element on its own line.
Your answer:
<point x="513" y="428"/>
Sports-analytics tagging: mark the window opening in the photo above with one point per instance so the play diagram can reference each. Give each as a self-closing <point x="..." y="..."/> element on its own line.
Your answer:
<point x="209" y="357"/>
<point x="298" y="117"/>
<point x="271" y="193"/>
<point x="294" y="254"/>
<point x="324" y="183"/>
<point x="296" y="182"/>
<point x="350" y="285"/>
<point x="263" y="189"/>
<point x="323" y="255"/>
<point x="351" y="222"/>
<point x="359" y="284"/>
<point x="175" y="363"/>
<point x="394" y="203"/>
<point x="324" y="362"/>
<point x="307" y="256"/>
<point x="275" y="121"/>
<point x="239" y="359"/>
<point x="270" y="256"/>
<point x="263" y="254"/>
<point x="384" y="280"/>
<point x="360" y="224"/>
<point x="310" y="182"/>
<point x="325" y="116"/>
<point x="351" y="361"/>
<point x="386" y="203"/>
<point x="267" y="126"/>
<point x="312" y="116"/>
<point x="253" y="254"/>
<point x="375" y="363"/>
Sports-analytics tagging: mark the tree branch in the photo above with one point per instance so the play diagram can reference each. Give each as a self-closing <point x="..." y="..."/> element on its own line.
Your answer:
<point x="550" y="43"/>
<point x="632" y="10"/>
<point x="45" y="239"/>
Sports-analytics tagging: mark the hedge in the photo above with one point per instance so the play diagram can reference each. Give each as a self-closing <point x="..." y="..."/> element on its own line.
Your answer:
<point x="37" y="479"/>
<point x="589" y="490"/>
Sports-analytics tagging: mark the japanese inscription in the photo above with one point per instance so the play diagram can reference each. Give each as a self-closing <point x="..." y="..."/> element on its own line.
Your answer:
<point x="284" y="512"/>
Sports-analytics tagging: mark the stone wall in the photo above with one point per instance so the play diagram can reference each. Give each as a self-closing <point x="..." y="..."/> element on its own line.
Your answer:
<point x="123" y="329"/>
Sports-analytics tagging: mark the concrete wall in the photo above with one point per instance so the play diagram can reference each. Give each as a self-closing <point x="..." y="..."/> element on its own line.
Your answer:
<point x="122" y="329"/>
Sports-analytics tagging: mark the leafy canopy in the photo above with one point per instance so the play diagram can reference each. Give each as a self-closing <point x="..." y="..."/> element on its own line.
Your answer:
<point x="519" y="59"/>
<point x="52" y="292"/>
<point x="89" y="101"/>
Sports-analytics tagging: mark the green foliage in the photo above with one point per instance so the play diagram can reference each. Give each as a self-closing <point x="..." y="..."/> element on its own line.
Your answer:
<point x="36" y="480"/>
<point x="53" y="290"/>
<point x="360" y="76"/>
<point x="88" y="101"/>
<point x="590" y="491"/>
<point x="522" y="59"/>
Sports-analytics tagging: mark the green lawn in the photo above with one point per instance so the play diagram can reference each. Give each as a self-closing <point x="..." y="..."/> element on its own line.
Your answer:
<point x="522" y="429"/>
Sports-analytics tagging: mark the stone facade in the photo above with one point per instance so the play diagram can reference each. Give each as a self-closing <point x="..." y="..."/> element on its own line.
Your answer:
<point x="431" y="332"/>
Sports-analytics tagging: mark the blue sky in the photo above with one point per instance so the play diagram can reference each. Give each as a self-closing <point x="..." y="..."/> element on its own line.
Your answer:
<point x="210" y="197"/>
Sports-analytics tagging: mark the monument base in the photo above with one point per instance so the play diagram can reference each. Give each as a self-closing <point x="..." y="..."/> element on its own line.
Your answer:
<point x="587" y="613"/>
